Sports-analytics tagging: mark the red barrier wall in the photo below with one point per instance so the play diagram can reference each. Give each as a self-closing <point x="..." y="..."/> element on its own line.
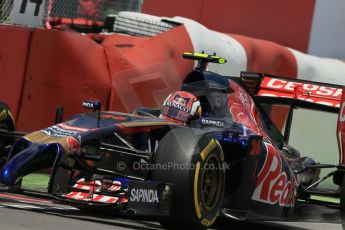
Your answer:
<point x="267" y="57"/>
<point x="14" y="48"/>
<point x="145" y="71"/>
<point x="63" y="69"/>
<point x="285" y="22"/>
<point x="52" y="67"/>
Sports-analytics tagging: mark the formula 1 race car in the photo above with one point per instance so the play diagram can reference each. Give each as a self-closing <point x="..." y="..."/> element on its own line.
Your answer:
<point x="233" y="161"/>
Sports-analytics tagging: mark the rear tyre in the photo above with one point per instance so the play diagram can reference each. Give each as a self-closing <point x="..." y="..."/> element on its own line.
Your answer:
<point x="6" y="123"/>
<point x="194" y="161"/>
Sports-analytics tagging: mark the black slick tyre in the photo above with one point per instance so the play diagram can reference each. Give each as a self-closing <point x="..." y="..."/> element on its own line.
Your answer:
<point x="194" y="163"/>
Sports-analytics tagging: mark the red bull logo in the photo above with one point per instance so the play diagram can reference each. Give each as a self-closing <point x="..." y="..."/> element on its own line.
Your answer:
<point x="273" y="184"/>
<point x="178" y="100"/>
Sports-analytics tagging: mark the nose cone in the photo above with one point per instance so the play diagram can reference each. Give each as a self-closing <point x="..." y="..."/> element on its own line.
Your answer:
<point x="31" y="159"/>
<point x="5" y="176"/>
<point x="12" y="169"/>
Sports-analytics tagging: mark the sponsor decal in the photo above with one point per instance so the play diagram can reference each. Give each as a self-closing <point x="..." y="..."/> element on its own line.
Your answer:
<point x="215" y="123"/>
<point x="181" y="101"/>
<point x="63" y="130"/>
<point x="96" y="105"/>
<point x="180" y="107"/>
<point x="88" y="105"/>
<point x="208" y="149"/>
<point x="304" y="91"/>
<point x="144" y="195"/>
<point x="149" y="197"/>
<point x="56" y="131"/>
<point x="290" y="86"/>
<point x="73" y="145"/>
<point x="273" y="185"/>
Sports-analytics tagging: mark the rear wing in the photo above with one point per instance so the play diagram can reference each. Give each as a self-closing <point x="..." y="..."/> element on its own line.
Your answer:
<point x="266" y="85"/>
<point x="316" y="93"/>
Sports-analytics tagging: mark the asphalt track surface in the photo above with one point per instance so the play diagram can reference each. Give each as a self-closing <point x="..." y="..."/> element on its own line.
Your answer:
<point x="24" y="213"/>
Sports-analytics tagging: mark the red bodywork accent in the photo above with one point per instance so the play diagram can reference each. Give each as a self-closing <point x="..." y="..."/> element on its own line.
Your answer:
<point x="273" y="184"/>
<point x="307" y="91"/>
<point x="87" y="191"/>
<point x="73" y="128"/>
<point x="73" y="145"/>
<point x="242" y="109"/>
<point x="172" y="120"/>
<point x="114" y="117"/>
<point x="341" y="130"/>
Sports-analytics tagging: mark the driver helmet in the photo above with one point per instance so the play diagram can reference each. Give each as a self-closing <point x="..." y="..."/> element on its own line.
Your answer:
<point x="181" y="107"/>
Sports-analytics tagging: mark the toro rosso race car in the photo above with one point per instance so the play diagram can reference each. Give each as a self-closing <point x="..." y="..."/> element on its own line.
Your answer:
<point x="233" y="161"/>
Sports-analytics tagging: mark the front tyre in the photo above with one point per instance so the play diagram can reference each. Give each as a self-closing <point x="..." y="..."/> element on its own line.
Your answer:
<point x="194" y="161"/>
<point x="6" y="123"/>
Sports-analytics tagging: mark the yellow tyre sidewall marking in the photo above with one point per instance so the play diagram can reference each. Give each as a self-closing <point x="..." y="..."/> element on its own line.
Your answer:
<point x="196" y="198"/>
<point x="3" y="115"/>
<point x="210" y="146"/>
<point x="204" y="153"/>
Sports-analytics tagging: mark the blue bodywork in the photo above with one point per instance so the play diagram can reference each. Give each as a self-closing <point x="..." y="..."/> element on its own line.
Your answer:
<point x="35" y="157"/>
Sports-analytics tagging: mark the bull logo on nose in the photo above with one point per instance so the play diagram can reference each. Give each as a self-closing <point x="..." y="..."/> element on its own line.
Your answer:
<point x="73" y="145"/>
